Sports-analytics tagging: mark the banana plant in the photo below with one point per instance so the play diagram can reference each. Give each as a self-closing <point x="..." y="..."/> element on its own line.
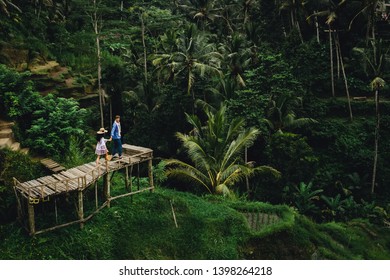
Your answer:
<point x="304" y="198"/>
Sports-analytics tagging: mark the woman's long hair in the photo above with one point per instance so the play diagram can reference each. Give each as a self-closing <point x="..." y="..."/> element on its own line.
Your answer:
<point x="99" y="136"/>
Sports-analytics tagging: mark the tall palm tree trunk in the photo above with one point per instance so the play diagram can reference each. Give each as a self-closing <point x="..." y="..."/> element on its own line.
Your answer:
<point x="317" y="28"/>
<point x="338" y="55"/>
<point x="144" y="47"/>
<point x="331" y="60"/>
<point x="337" y="42"/>
<point x="95" y="24"/>
<point x="376" y="142"/>
<point x="248" y="189"/>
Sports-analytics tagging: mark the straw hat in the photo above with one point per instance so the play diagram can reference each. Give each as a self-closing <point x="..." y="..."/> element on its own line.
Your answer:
<point x="101" y="131"/>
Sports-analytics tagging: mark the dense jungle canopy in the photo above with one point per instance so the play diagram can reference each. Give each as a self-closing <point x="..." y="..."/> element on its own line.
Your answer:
<point x="272" y="101"/>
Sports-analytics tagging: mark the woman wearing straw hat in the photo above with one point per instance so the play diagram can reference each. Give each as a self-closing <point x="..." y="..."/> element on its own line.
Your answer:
<point x="101" y="148"/>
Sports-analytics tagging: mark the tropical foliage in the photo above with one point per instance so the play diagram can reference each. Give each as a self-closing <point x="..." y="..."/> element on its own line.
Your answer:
<point x="282" y="101"/>
<point x="216" y="150"/>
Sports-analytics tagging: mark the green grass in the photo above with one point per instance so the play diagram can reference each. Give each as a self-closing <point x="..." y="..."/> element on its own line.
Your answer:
<point x="143" y="228"/>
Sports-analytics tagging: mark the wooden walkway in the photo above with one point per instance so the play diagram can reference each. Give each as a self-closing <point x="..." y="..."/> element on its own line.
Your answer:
<point x="78" y="179"/>
<point x="53" y="166"/>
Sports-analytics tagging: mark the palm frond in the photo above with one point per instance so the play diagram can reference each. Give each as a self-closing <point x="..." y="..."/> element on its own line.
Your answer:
<point x="268" y="170"/>
<point x="235" y="173"/>
<point x="186" y="172"/>
<point x="377" y="83"/>
<point x="244" y="139"/>
<point x="202" y="160"/>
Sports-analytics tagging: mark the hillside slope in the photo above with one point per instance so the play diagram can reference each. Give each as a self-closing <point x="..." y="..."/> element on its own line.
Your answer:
<point x="208" y="228"/>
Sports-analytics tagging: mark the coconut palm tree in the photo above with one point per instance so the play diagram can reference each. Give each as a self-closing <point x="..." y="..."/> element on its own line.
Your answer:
<point x="237" y="57"/>
<point x="96" y="21"/>
<point x="192" y="57"/>
<point x="293" y="7"/>
<point x="280" y="115"/>
<point x="203" y="11"/>
<point x="215" y="150"/>
<point x="207" y="12"/>
<point x="376" y="84"/>
<point x="332" y="13"/>
<point x="373" y="61"/>
<point x="369" y="10"/>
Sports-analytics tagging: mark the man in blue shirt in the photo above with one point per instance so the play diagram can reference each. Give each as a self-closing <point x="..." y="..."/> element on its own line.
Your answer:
<point x="116" y="136"/>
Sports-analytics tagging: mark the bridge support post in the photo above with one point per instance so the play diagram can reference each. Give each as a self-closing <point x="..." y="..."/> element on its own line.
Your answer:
<point x="31" y="218"/>
<point x="80" y="208"/>
<point x="150" y="174"/>
<point x="127" y="178"/>
<point x="96" y="196"/>
<point x="106" y="189"/>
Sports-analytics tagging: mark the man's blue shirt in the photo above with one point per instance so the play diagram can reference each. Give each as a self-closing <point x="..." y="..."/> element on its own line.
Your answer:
<point x="116" y="131"/>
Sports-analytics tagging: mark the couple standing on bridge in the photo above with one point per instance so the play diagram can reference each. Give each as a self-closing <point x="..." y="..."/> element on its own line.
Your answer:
<point x="101" y="147"/>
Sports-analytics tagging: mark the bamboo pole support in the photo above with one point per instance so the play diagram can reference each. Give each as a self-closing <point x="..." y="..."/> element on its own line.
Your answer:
<point x="96" y="195"/>
<point x="80" y="208"/>
<point x="130" y="178"/>
<point x="55" y="210"/>
<point x="127" y="178"/>
<point x="150" y="174"/>
<point x="19" y="204"/>
<point x="106" y="190"/>
<point x="138" y="183"/>
<point x="31" y="218"/>
<point x="173" y="213"/>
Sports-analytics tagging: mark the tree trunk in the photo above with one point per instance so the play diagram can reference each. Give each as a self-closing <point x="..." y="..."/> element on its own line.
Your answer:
<point x="121" y="8"/>
<point x="345" y="78"/>
<point x="101" y="97"/>
<point x="376" y="142"/>
<point x="95" y="24"/>
<point x="338" y="56"/>
<point x="317" y="28"/>
<point x="331" y="60"/>
<point x="246" y="177"/>
<point x="144" y="47"/>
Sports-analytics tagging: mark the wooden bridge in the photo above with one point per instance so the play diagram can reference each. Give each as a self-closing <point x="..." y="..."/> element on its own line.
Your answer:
<point x="77" y="180"/>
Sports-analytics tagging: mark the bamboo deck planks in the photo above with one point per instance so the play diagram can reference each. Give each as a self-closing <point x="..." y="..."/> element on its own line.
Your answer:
<point x="80" y="177"/>
<point x="52" y="165"/>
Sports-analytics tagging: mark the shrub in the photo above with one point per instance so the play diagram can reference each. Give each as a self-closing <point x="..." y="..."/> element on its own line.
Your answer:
<point x="54" y="124"/>
<point x="18" y="165"/>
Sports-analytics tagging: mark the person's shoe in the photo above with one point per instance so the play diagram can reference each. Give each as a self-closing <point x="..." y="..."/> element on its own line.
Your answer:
<point x="120" y="157"/>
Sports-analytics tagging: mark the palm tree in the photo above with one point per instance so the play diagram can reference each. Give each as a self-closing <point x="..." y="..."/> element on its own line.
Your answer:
<point x="96" y="21"/>
<point x="293" y="7"/>
<point x="331" y="13"/>
<point x="215" y="150"/>
<point x="237" y="58"/>
<point x="4" y="4"/>
<point x="193" y="56"/>
<point x="206" y="12"/>
<point x="202" y="11"/>
<point x="370" y="11"/>
<point x="376" y="84"/>
<point x="373" y="62"/>
<point x="280" y="115"/>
